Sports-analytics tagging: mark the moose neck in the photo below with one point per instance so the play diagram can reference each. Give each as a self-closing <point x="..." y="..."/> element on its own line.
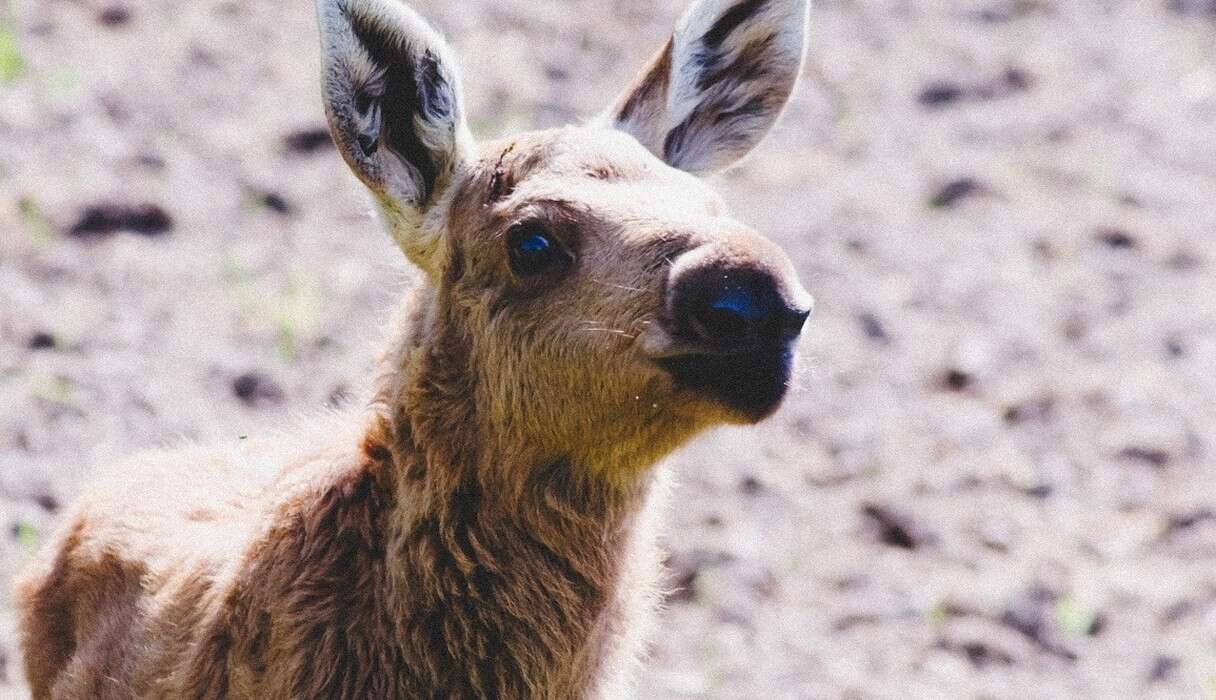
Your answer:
<point x="511" y="566"/>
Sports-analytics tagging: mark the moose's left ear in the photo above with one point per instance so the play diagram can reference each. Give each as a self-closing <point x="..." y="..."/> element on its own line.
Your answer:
<point x="392" y="95"/>
<point x="718" y="85"/>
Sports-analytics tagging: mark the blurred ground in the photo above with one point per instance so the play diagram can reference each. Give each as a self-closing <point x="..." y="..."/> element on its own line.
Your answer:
<point x="997" y="478"/>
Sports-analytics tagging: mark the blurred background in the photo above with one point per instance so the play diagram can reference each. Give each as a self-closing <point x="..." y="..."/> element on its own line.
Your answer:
<point x="997" y="476"/>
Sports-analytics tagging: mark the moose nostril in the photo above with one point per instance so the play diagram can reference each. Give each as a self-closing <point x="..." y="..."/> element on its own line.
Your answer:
<point x="729" y="317"/>
<point x="726" y="302"/>
<point x="737" y="302"/>
<point x="733" y="309"/>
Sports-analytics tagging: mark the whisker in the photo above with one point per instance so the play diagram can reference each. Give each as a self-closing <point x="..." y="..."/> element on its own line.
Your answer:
<point x="618" y="286"/>
<point x="614" y="331"/>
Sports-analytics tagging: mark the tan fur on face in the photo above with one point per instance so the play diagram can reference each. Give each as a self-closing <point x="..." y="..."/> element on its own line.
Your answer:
<point x="485" y="525"/>
<point x="542" y="353"/>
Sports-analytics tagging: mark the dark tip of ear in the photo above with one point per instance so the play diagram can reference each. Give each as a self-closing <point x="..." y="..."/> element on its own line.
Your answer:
<point x="731" y="20"/>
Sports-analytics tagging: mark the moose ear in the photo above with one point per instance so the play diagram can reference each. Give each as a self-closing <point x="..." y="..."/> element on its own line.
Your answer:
<point x="718" y="85"/>
<point x="392" y="96"/>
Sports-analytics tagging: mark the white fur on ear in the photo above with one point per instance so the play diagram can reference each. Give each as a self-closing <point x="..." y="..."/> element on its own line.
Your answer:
<point x="393" y="99"/>
<point x="720" y="83"/>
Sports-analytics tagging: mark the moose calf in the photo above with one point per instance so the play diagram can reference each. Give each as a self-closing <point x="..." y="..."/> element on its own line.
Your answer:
<point x="485" y="526"/>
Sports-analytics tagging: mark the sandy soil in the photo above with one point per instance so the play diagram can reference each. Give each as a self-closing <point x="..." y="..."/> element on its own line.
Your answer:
<point x="997" y="477"/>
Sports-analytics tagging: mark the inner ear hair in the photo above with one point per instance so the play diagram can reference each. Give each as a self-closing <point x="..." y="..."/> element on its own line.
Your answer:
<point x="382" y="104"/>
<point x="393" y="98"/>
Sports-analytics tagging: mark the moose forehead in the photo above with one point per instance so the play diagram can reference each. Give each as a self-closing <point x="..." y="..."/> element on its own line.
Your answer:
<point x="603" y="172"/>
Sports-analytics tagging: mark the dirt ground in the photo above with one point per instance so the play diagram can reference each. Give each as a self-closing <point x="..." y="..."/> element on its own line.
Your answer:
<point x="997" y="476"/>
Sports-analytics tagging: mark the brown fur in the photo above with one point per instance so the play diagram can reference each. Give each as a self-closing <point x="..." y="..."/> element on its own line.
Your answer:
<point x="484" y="527"/>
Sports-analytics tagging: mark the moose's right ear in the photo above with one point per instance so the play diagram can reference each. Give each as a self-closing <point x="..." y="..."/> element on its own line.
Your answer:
<point x="718" y="86"/>
<point x="392" y="96"/>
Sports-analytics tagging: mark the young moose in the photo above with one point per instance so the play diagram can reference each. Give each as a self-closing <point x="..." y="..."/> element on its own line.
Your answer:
<point x="485" y="527"/>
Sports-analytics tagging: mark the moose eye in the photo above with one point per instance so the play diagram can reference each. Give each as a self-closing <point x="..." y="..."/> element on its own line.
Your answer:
<point x="533" y="251"/>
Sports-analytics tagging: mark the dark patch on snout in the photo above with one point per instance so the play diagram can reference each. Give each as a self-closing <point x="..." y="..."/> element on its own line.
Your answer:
<point x="738" y="325"/>
<point x="751" y="383"/>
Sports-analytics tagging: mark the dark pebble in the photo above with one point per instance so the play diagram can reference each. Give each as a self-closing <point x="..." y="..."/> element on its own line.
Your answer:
<point x="306" y="141"/>
<point x="114" y="15"/>
<point x="1097" y="625"/>
<point x="253" y="389"/>
<point x="1177" y="611"/>
<point x="981" y="655"/>
<point x="1044" y="250"/>
<point x="1017" y="80"/>
<point x="750" y="486"/>
<point x="1029" y="614"/>
<point x="1193" y="7"/>
<point x="874" y="329"/>
<point x="1184" y="261"/>
<point x="41" y="341"/>
<point x="104" y="219"/>
<point x="1186" y="521"/>
<point x="1117" y="239"/>
<point x="1075" y="328"/>
<point x="957" y="380"/>
<point x="150" y="161"/>
<point x="955" y="191"/>
<point x="940" y="94"/>
<point x="276" y="203"/>
<point x="893" y="529"/>
<point x="1040" y="491"/>
<point x="944" y="93"/>
<point x="47" y="502"/>
<point x="1163" y="669"/>
<point x="1007" y="11"/>
<point x="1152" y="456"/>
